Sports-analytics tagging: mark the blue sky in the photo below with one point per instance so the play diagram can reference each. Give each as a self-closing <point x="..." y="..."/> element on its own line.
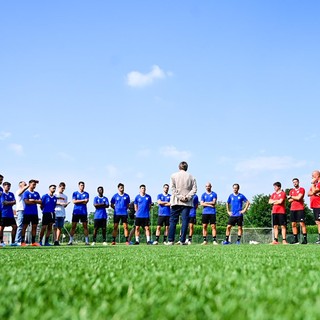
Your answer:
<point x="122" y="91"/>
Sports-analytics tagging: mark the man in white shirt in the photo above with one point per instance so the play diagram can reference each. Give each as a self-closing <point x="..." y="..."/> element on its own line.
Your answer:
<point x="20" y="204"/>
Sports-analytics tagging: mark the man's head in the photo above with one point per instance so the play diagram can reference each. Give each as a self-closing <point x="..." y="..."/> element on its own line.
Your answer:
<point x="52" y="188"/>
<point x="277" y="186"/>
<point x="295" y="182"/>
<point x="121" y="188"/>
<point x="62" y="187"/>
<point x="6" y="186"/>
<point x="1" y="178"/>
<point x="81" y="185"/>
<point x="236" y="187"/>
<point x="100" y="191"/>
<point x="165" y="188"/>
<point x="208" y="186"/>
<point x="33" y="184"/>
<point x="183" y="166"/>
<point x="22" y="184"/>
<point x="143" y="189"/>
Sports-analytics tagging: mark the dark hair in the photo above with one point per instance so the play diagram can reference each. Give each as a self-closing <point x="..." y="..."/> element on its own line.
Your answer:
<point x="62" y="184"/>
<point x="277" y="184"/>
<point x="52" y="185"/>
<point x="166" y="185"/>
<point x="33" y="181"/>
<point x="80" y="182"/>
<point x="183" y="166"/>
<point x="1" y="176"/>
<point x="99" y="188"/>
<point x="295" y="179"/>
<point x="141" y="186"/>
<point x="120" y="185"/>
<point x="6" y="184"/>
<point x="236" y="184"/>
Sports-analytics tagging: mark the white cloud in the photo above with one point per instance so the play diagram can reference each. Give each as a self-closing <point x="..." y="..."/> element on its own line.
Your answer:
<point x="138" y="79"/>
<point x="16" y="148"/>
<point x="4" y="135"/>
<point x="173" y="152"/>
<point x="268" y="164"/>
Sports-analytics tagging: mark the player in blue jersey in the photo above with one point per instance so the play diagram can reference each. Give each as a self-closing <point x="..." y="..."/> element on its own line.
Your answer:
<point x="48" y="206"/>
<point x="237" y="205"/>
<point x="31" y="199"/>
<point x="100" y="202"/>
<point x="120" y="204"/>
<point x="1" y="190"/>
<point x="7" y="200"/>
<point x="142" y="205"/>
<point x="208" y="202"/>
<point x="193" y="218"/>
<point x="80" y="214"/>
<point x="163" y="214"/>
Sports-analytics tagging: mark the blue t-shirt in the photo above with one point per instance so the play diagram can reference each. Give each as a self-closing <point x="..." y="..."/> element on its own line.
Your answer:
<point x="1" y="191"/>
<point x="208" y="197"/>
<point x="164" y="211"/>
<point x="236" y="202"/>
<point x="100" y="213"/>
<point x="7" y="211"/>
<point x="143" y="203"/>
<point x="80" y="208"/>
<point x="48" y="203"/>
<point x="121" y="203"/>
<point x="193" y="210"/>
<point x="31" y="208"/>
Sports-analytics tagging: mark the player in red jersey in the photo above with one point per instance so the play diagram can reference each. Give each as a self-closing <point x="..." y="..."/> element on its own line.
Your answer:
<point x="279" y="218"/>
<point x="314" y="194"/>
<point x="297" y="213"/>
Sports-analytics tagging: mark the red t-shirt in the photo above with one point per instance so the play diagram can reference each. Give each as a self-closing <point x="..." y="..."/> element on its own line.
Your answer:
<point x="295" y="204"/>
<point x="279" y="208"/>
<point x="315" y="200"/>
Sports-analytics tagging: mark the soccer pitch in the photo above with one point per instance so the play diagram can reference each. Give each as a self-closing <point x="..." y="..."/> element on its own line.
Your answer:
<point x="160" y="282"/>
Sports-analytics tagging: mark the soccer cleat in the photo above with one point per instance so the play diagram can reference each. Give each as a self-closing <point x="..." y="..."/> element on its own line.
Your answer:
<point x="14" y="244"/>
<point x="155" y="242"/>
<point x="70" y="243"/>
<point x="295" y="242"/>
<point x="2" y="244"/>
<point x="131" y="243"/>
<point x="226" y="242"/>
<point x="188" y="242"/>
<point x="113" y="243"/>
<point x="274" y="242"/>
<point x="215" y="243"/>
<point x="23" y="244"/>
<point x="56" y="243"/>
<point x="204" y="243"/>
<point x="169" y="243"/>
<point x="149" y="242"/>
<point x="179" y="242"/>
<point x="136" y="243"/>
<point x="93" y="243"/>
<point x="104" y="243"/>
<point x="183" y="244"/>
<point x="40" y="242"/>
<point x="127" y="243"/>
<point x="318" y="242"/>
<point x="87" y="244"/>
<point x="238" y="242"/>
<point x="36" y="244"/>
<point x="47" y="244"/>
<point x="284" y="242"/>
<point x="304" y="241"/>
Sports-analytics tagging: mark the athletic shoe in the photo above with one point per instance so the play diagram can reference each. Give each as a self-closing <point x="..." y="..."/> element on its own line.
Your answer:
<point x="40" y="242"/>
<point x="113" y="243"/>
<point x="14" y="244"/>
<point x="47" y="244"/>
<point x="155" y="242"/>
<point x="23" y="244"/>
<point x="238" y="242"/>
<point x="136" y="243"/>
<point x="2" y="244"/>
<point x="56" y="243"/>
<point x="183" y="244"/>
<point x="188" y="242"/>
<point x="70" y="243"/>
<point x="87" y="244"/>
<point x="36" y="244"/>
<point x="169" y="243"/>
<point x="104" y="243"/>
<point x="204" y="243"/>
<point x="215" y="243"/>
<point x="149" y="242"/>
<point x="131" y="243"/>
<point x="93" y="243"/>
<point x="304" y="241"/>
<point x="226" y="242"/>
<point x="179" y="242"/>
<point x="318" y="242"/>
<point x="274" y="242"/>
<point x="295" y="242"/>
<point x="284" y="242"/>
<point x="127" y="243"/>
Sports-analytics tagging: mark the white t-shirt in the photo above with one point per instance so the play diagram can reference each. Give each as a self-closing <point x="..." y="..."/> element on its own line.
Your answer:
<point x="60" y="209"/>
<point x="20" y="204"/>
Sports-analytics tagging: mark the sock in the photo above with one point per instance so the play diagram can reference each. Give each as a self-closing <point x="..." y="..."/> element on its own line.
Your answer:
<point x="276" y="239"/>
<point x="47" y="240"/>
<point x="319" y="236"/>
<point x="227" y="238"/>
<point x="190" y="238"/>
<point x="127" y="239"/>
<point x="204" y="238"/>
<point x="148" y="238"/>
<point x="137" y="239"/>
<point x="71" y="239"/>
<point x="214" y="238"/>
<point x="239" y="238"/>
<point x="164" y="238"/>
<point x="305" y="236"/>
<point x="157" y="238"/>
<point x="94" y="239"/>
<point x="113" y="239"/>
<point x="87" y="239"/>
<point x="33" y="239"/>
<point x="295" y="238"/>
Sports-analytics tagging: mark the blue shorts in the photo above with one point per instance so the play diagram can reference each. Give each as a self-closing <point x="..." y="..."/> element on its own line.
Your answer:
<point x="59" y="223"/>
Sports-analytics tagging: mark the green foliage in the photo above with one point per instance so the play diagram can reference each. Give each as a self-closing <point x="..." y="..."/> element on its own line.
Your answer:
<point x="159" y="282"/>
<point x="259" y="213"/>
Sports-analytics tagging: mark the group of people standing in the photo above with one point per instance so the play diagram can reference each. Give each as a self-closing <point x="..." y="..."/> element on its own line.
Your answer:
<point x="183" y="203"/>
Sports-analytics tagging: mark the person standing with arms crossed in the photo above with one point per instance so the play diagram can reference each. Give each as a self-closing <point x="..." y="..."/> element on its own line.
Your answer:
<point x="80" y="212"/>
<point x="279" y="218"/>
<point x="184" y="187"/>
<point x="193" y="218"/>
<point x="314" y="194"/>
<point x="20" y="205"/>
<point x="297" y="213"/>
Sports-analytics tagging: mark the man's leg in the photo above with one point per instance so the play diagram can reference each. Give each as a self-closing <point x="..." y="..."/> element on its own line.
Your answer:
<point x="114" y="233"/>
<point x="174" y="218"/>
<point x="72" y="232"/>
<point x="185" y="223"/>
<point x="204" y="233"/>
<point x="20" y="226"/>
<point x="86" y="232"/>
<point x="126" y="231"/>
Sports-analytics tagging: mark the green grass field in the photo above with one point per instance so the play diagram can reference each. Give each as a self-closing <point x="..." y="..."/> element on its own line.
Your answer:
<point x="159" y="282"/>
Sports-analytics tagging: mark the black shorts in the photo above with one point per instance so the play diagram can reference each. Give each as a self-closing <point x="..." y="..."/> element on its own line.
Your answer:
<point x="193" y="220"/>
<point x="48" y="218"/>
<point x="79" y="218"/>
<point x="297" y="216"/>
<point x="316" y="214"/>
<point x="100" y="223"/>
<point x="279" y="219"/>
<point x="33" y="218"/>
<point x="208" y="218"/>
<point x="8" y="222"/>
<point x="123" y="218"/>
<point x="163" y="221"/>
<point x="142" y="222"/>
<point x="236" y="220"/>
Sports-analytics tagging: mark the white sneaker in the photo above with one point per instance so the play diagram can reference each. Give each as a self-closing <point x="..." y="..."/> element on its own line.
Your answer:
<point x="179" y="242"/>
<point x="188" y="242"/>
<point x="93" y="243"/>
<point x="169" y="243"/>
<point x="215" y="243"/>
<point x="104" y="243"/>
<point x="155" y="242"/>
<point x="204" y="243"/>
